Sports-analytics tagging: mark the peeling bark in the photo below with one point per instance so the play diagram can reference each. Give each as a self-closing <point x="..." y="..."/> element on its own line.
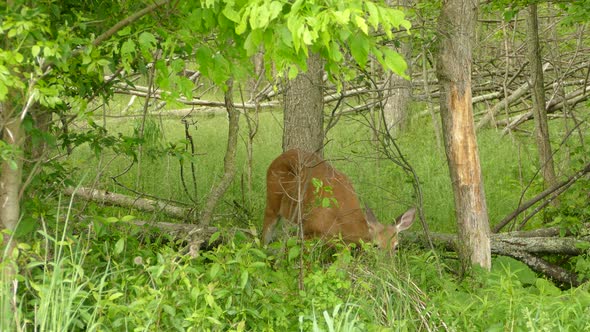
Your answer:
<point x="455" y="30"/>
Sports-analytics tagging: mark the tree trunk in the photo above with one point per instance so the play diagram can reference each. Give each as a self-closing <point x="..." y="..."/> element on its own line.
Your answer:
<point x="455" y="29"/>
<point x="11" y="175"/>
<point x="10" y="183"/>
<point x="304" y="109"/>
<point x="398" y="89"/>
<point x="538" y="94"/>
<point x="229" y="161"/>
<point x="42" y="118"/>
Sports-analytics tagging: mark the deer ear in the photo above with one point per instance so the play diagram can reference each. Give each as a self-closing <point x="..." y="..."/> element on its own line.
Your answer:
<point x="406" y="220"/>
<point x="370" y="215"/>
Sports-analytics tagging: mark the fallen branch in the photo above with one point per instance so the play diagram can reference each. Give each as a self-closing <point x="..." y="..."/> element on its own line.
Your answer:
<point x="554" y="272"/>
<point x="557" y="190"/>
<point x="522" y="246"/>
<point x="570" y="100"/>
<point x="142" y="204"/>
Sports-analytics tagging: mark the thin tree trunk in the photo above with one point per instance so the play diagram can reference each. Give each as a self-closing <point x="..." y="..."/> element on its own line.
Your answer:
<point x="229" y="162"/>
<point x="304" y="109"/>
<point x="11" y="175"/>
<point x="455" y="28"/>
<point x="538" y="94"/>
<point x="10" y="184"/>
<point x="399" y="90"/>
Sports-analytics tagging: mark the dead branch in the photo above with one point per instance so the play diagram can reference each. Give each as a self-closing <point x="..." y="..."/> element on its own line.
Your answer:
<point x="571" y="99"/>
<point x="554" y="272"/>
<point x="557" y="188"/>
<point x="142" y="204"/>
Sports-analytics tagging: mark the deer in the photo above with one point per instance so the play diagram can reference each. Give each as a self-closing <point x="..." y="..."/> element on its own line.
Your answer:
<point x="298" y="186"/>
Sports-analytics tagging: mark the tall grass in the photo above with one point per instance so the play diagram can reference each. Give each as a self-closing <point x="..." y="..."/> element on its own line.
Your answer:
<point x="59" y="292"/>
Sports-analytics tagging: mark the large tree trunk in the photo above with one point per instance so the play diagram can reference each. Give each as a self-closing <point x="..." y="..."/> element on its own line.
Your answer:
<point x="455" y="29"/>
<point x="304" y="109"/>
<point x="538" y="94"/>
<point x="398" y="89"/>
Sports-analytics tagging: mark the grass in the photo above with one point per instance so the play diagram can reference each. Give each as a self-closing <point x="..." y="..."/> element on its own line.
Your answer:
<point x="112" y="276"/>
<point x="506" y="165"/>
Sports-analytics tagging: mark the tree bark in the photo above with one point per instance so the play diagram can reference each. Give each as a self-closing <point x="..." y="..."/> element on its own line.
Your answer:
<point x="538" y="94"/>
<point x="304" y="109"/>
<point x="455" y="29"/>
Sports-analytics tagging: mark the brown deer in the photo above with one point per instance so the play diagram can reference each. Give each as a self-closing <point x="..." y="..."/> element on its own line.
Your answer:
<point x="301" y="186"/>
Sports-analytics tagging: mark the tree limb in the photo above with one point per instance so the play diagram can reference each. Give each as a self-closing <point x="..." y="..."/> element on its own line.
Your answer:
<point x="128" y="20"/>
<point x="142" y="204"/>
<point x="560" y="188"/>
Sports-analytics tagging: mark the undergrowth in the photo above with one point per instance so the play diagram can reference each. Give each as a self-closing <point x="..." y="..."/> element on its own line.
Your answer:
<point x="120" y="279"/>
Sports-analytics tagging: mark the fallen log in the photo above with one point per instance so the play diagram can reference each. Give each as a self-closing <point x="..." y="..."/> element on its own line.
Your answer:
<point x="142" y="204"/>
<point x="521" y="246"/>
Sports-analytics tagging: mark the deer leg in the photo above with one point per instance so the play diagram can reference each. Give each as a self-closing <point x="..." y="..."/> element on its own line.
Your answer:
<point x="270" y="220"/>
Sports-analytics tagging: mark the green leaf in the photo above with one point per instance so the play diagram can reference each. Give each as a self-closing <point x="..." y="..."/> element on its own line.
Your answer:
<point x="342" y="17"/>
<point x="373" y="14"/>
<point x="259" y="17"/>
<point x="244" y="279"/>
<point x="326" y="202"/>
<point x="3" y="93"/>
<point x="231" y="14"/>
<point x="307" y="37"/>
<point x="359" y="48"/>
<point x="253" y="41"/>
<point x="35" y="50"/>
<point x="293" y="71"/>
<point x="395" y="62"/>
<point x="119" y="246"/>
<point x="147" y="43"/>
<point x="128" y="218"/>
<point x="335" y="53"/>
<point x="317" y="183"/>
<point x="214" y="237"/>
<point x="124" y="32"/>
<point x="258" y="264"/>
<point x="115" y="296"/>
<point x="241" y="27"/>
<point x="294" y="252"/>
<point x="215" y="268"/>
<point x="128" y="47"/>
<point x="275" y="9"/>
<point x="362" y="24"/>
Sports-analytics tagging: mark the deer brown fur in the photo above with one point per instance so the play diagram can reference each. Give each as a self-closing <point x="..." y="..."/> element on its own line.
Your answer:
<point x="289" y="187"/>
